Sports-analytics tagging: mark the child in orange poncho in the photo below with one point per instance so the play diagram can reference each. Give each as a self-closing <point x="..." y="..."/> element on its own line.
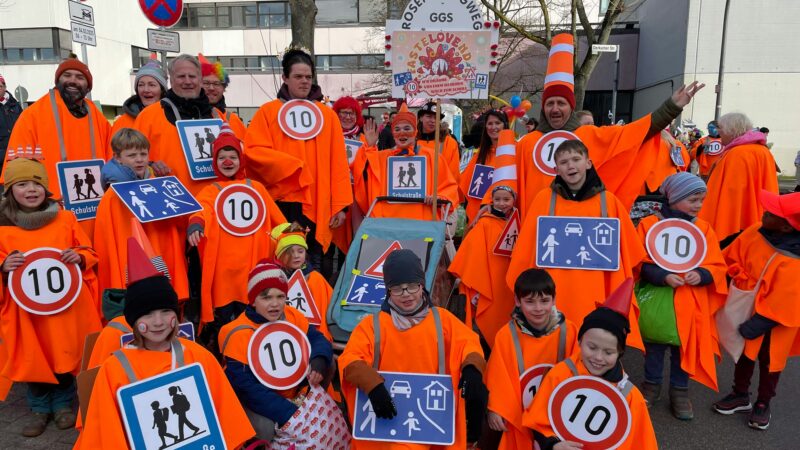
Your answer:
<point x="44" y="350"/>
<point x="537" y="337"/>
<point x="602" y="341"/>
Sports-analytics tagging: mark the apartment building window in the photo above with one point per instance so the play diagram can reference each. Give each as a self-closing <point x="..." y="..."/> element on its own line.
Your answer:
<point x="337" y="11"/>
<point x="140" y="56"/>
<point x="34" y="45"/>
<point x="349" y="63"/>
<point x="266" y="14"/>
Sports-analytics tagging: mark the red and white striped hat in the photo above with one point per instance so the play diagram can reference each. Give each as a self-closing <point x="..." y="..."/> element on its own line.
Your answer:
<point x="265" y="275"/>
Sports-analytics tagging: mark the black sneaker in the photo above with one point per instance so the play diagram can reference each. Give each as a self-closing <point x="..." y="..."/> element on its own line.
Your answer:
<point x="759" y="417"/>
<point x="733" y="403"/>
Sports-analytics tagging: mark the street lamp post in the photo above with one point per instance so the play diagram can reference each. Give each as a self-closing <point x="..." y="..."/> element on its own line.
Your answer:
<point x="605" y="48"/>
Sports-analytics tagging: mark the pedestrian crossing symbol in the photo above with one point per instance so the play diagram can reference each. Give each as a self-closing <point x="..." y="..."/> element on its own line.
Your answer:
<point x="376" y="269"/>
<point x="508" y="238"/>
<point x="482" y="178"/>
<point x="156" y="198"/>
<point x="299" y="297"/>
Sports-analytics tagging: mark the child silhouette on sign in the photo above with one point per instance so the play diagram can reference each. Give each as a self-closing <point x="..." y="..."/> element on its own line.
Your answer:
<point x="90" y="180"/>
<point x="180" y="406"/>
<point x="411" y="172"/>
<point x="78" y="185"/>
<point x="400" y="175"/>
<point x="412" y="423"/>
<point x="299" y="302"/>
<point x="583" y="255"/>
<point x="200" y="142"/>
<point x="210" y="138"/>
<point x="160" y="416"/>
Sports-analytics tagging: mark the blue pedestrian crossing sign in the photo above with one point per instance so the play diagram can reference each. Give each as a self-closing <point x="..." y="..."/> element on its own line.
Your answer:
<point x="156" y="198"/>
<point x="366" y="291"/>
<point x="80" y="186"/>
<point x="197" y="142"/>
<point x="352" y="146"/>
<point x="407" y="176"/>
<point x="481" y="180"/>
<point x="588" y="243"/>
<point x="426" y="411"/>
<point x="185" y="331"/>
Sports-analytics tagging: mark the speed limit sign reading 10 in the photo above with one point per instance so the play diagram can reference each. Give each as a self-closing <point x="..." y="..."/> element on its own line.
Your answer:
<point x="591" y="411"/>
<point x="544" y="153"/>
<point x="300" y="119"/>
<point x="240" y="210"/>
<point x="43" y="284"/>
<point x="676" y="245"/>
<point x="278" y="355"/>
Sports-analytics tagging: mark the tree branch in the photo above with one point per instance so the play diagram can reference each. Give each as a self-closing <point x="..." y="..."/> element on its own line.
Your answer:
<point x="585" y="23"/>
<point x="517" y="27"/>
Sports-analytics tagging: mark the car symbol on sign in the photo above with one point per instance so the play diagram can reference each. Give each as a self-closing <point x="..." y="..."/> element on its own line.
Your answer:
<point x="573" y="228"/>
<point x="401" y="387"/>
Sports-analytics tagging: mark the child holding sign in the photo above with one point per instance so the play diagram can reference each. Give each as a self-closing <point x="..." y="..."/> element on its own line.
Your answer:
<point x="231" y="233"/>
<point x="682" y="285"/>
<point x="44" y="346"/>
<point x="482" y="271"/>
<point x="616" y="416"/>
<point x="281" y="409"/>
<point x="151" y="307"/>
<point x="539" y="334"/>
<point x="131" y="159"/>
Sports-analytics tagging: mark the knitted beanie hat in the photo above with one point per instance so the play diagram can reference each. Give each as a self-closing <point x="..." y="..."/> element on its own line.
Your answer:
<point x="23" y="169"/>
<point x="285" y="238"/>
<point x="265" y="275"/>
<point x="153" y="69"/>
<point x="148" y="289"/>
<point x="403" y="266"/>
<point x="227" y="140"/>
<point x="612" y="315"/>
<point x="73" y="63"/>
<point x="681" y="185"/>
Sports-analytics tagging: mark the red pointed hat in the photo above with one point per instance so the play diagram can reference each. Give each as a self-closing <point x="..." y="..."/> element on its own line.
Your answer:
<point x="139" y="264"/>
<point x="620" y="300"/>
<point x="612" y="315"/>
<point x="148" y="289"/>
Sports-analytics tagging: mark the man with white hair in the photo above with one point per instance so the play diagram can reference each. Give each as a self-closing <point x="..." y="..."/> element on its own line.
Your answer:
<point x="745" y="168"/>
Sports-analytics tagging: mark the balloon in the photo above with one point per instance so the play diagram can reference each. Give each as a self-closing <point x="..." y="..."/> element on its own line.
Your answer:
<point x="526" y="105"/>
<point x="508" y="110"/>
<point x="519" y="111"/>
<point x="515" y="101"/>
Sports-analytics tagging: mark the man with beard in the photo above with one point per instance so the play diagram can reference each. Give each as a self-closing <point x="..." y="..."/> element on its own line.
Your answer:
<point x="215" y="81"/>
<point x="65" y="125"/>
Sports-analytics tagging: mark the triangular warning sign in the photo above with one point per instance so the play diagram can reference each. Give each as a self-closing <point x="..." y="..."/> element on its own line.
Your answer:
<point x="508" y="238"/>
<point x="376" y="269"/>
<point x="299" y="297"/>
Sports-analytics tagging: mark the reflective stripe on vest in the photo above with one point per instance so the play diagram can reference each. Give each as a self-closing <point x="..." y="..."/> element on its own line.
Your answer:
<point x="177" y="354"/>
<point x="562" y="344"/>
<point x="60" y="129"/>
<point x="376" y="359"/>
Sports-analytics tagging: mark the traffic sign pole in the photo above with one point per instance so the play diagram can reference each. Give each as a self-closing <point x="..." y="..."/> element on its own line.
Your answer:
<point x="85" y="56"/>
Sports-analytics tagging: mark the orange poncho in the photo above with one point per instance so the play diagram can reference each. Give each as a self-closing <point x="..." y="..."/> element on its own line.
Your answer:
<point x="41" y="346"/>
<point x="227" y="259"/>
<point x="502" y="376"/>
<point x="579" y="290"/>
<point x="734" y="185"/>
<point x="122" y="121"/>
<point x="705" y="161"/>
<point x="108" y="341"/>
<point x="483" y="273"/>
<point x="374" y="184"/>
<point x="474" y="204"/>
<point x="620" y="154"/>
<point x="449" y="150"/>
<point x="664" y="166"/>
<point x="460" y="342"/>
<point x="641" y="436"/>
<point x="103" y="427"/>
<point x="114" y="229"/>
<point x="313" y="172"/>
<point x="322" y="293"/>
<point x="695" y="307"/>
<point x="775" y="300"/>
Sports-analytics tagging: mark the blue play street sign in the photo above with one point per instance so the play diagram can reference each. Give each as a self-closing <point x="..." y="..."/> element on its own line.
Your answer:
<point x="588" y="243"/>
<point x="481" y="180"/>
<point x="156" y="198"/>
<point x="366" y="291"/>
<point x="426" y="411"/>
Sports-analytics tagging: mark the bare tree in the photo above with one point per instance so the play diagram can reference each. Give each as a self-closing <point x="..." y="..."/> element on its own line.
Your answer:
<point x="304" y="20"/>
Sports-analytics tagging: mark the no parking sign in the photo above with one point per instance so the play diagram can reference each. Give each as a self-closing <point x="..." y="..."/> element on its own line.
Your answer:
<point x="240" y="210"/>
<point x="676" y="245"/>
<point x="300" y="119"/>
<point x="43" y="284"/>
<point x="278" y="355"/>
<point x="545" y="150"/>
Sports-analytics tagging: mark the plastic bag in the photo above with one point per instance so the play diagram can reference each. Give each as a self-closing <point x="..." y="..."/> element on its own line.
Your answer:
<point x="657" y="321"/>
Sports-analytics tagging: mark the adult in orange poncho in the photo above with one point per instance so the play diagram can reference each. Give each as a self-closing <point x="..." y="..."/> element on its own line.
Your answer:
<point x="44" y="350"/>
<point x="375" y="179"/>
<point x="765" y="259"/>
<point x="494" y="122"/>
<point x="151" y="306"/>
<point x="309" y="179"/>
<point x="407" y="315"/>
<point x="697" y="295"/>
<point x="602" y="339"/>
<point x="448" y="146"/>
<point x="150" y="86"/>
<point x="706" y="151"/>
<point x="622" y="155"/>
<point x="65" y="125"/>
<point x="671" y="159"/>
<point x="736" y="179"/>
<point x="537" y="335"/>
<point x="228" y="252"/>
<point x="483" y="272"/>
<point x="215" y="82"/>
<point x="577" y="191"/>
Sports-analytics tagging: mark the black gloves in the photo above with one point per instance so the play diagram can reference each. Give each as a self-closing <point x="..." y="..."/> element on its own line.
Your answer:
<point x="756" y="326"/>
<point x="476" y="397"/>
<point x="320" y="365"/>
<point x="382" y="402"/>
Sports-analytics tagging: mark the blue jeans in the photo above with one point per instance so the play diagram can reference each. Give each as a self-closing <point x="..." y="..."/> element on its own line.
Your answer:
<point x="49" y="398"/>
<point x="654" y="365"/>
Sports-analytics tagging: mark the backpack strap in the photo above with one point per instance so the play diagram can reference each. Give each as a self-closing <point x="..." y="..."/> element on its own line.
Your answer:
<point x="376" y="324"/>
<point x="60" y="128"/>
<point x="169" y="103"/>
<point x="119" y="327"/>
<point x="233" y="331"/>
<point x="572" y="367"/>
<point x="562" y="341"/>
<point x="627" y="386"/>
<point x="603" y="203"/>
<point x="517" y="346"/>
<point x="376" y="329"/>
<point x="177" y="354"/>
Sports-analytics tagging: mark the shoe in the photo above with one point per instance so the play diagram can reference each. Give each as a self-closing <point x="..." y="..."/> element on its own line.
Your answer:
<point x="759" y="417"/>
<point x="36" y="425"/>
<point x="651" y="393"/>
<point x="733" y="403"/>
<point x="64" y="419"/>
<point x="680" y="404"/>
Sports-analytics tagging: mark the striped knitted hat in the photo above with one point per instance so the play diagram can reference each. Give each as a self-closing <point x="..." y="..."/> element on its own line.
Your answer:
<point x="265" y="275"/>
<point x="285" y="238"/>
<point x="677" y="187"/>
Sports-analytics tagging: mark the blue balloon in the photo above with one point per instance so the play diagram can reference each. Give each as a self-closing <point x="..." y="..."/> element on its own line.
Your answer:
<point x="515" y="101"/>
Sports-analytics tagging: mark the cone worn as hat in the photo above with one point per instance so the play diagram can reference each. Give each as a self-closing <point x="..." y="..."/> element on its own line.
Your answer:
<point x="559" y="80"/>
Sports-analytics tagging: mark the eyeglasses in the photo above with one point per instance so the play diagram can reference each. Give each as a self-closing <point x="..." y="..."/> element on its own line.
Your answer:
<point x="347" y="113"/>
<point x="215" y="84"/>
<point x="411" y="288"/>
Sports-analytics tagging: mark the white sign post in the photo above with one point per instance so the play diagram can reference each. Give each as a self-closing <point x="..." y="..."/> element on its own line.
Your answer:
<point x="608" y="48"/>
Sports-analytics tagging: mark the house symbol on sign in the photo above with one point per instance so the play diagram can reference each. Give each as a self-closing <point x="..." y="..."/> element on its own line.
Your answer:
<point x="172" y="187"/>
<point x="603" y="234"/>
<point x="436" y="396"/>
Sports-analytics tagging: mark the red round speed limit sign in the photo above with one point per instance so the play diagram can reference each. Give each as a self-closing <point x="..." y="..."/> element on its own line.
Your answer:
<point x="278" y="354"/>
<point x="300" y="119"/>
<point x="676" y="245"/>
<point x="530" y="381"/>
<point x="240" y="210"/>
<point x="714" y="148"/>
<point x="591" y="411"/>
<point x="545" y="150"/>
<point x="44" y="285"/>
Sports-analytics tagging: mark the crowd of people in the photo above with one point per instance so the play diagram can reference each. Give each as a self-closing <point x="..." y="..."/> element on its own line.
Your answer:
<point x="522" y="309"/>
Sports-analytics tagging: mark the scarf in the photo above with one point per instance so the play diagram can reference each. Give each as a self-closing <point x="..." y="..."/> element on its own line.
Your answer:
<point x="5" y="98"/>
<point x="556" y="318"/>
<point x="405" y="320"/>
<point x="352" y="133"/>
<point x="315" y="94"/>
<point x="30" y="220"/>
<point x="77" y="108"/>
<point x="189" y="108"/>
<point x="572" y="124"/>
<point x="255" y="317"/>
<point x="751" y="137"/>
<point x="592" y="186"/>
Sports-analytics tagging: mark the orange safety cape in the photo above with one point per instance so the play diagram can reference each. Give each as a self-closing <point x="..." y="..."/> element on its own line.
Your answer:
<point x="122" y="121"/>
<point x="374" y="182"/>
<point x="108" y="341"/>
<point x="473" y="204"/>
<point x="103" y="427"/>
<point x="620" y="154"/>
<point x="114" y="229"/>
<point x="41" y="346"/>
<point x="502" y="375"/>
<point x="322" y="292"/>
<point x="343" y="235"/>
<point x="460" y="345"/>
<point x="313" y="172"/>
<point x="734" y="184"/>
<point x="483" y="274"/>
<point x="641" y="436"/>
<point x="664" y="167"/>
<point x="236" y="124"/>
<point x="695" y="307"/>
<point x="580" y="290"/>
<point x="705" y="161"/>
<point x="776" y="299"/>
<point x="449" y="150"/>
<point x="227" y="259"/>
